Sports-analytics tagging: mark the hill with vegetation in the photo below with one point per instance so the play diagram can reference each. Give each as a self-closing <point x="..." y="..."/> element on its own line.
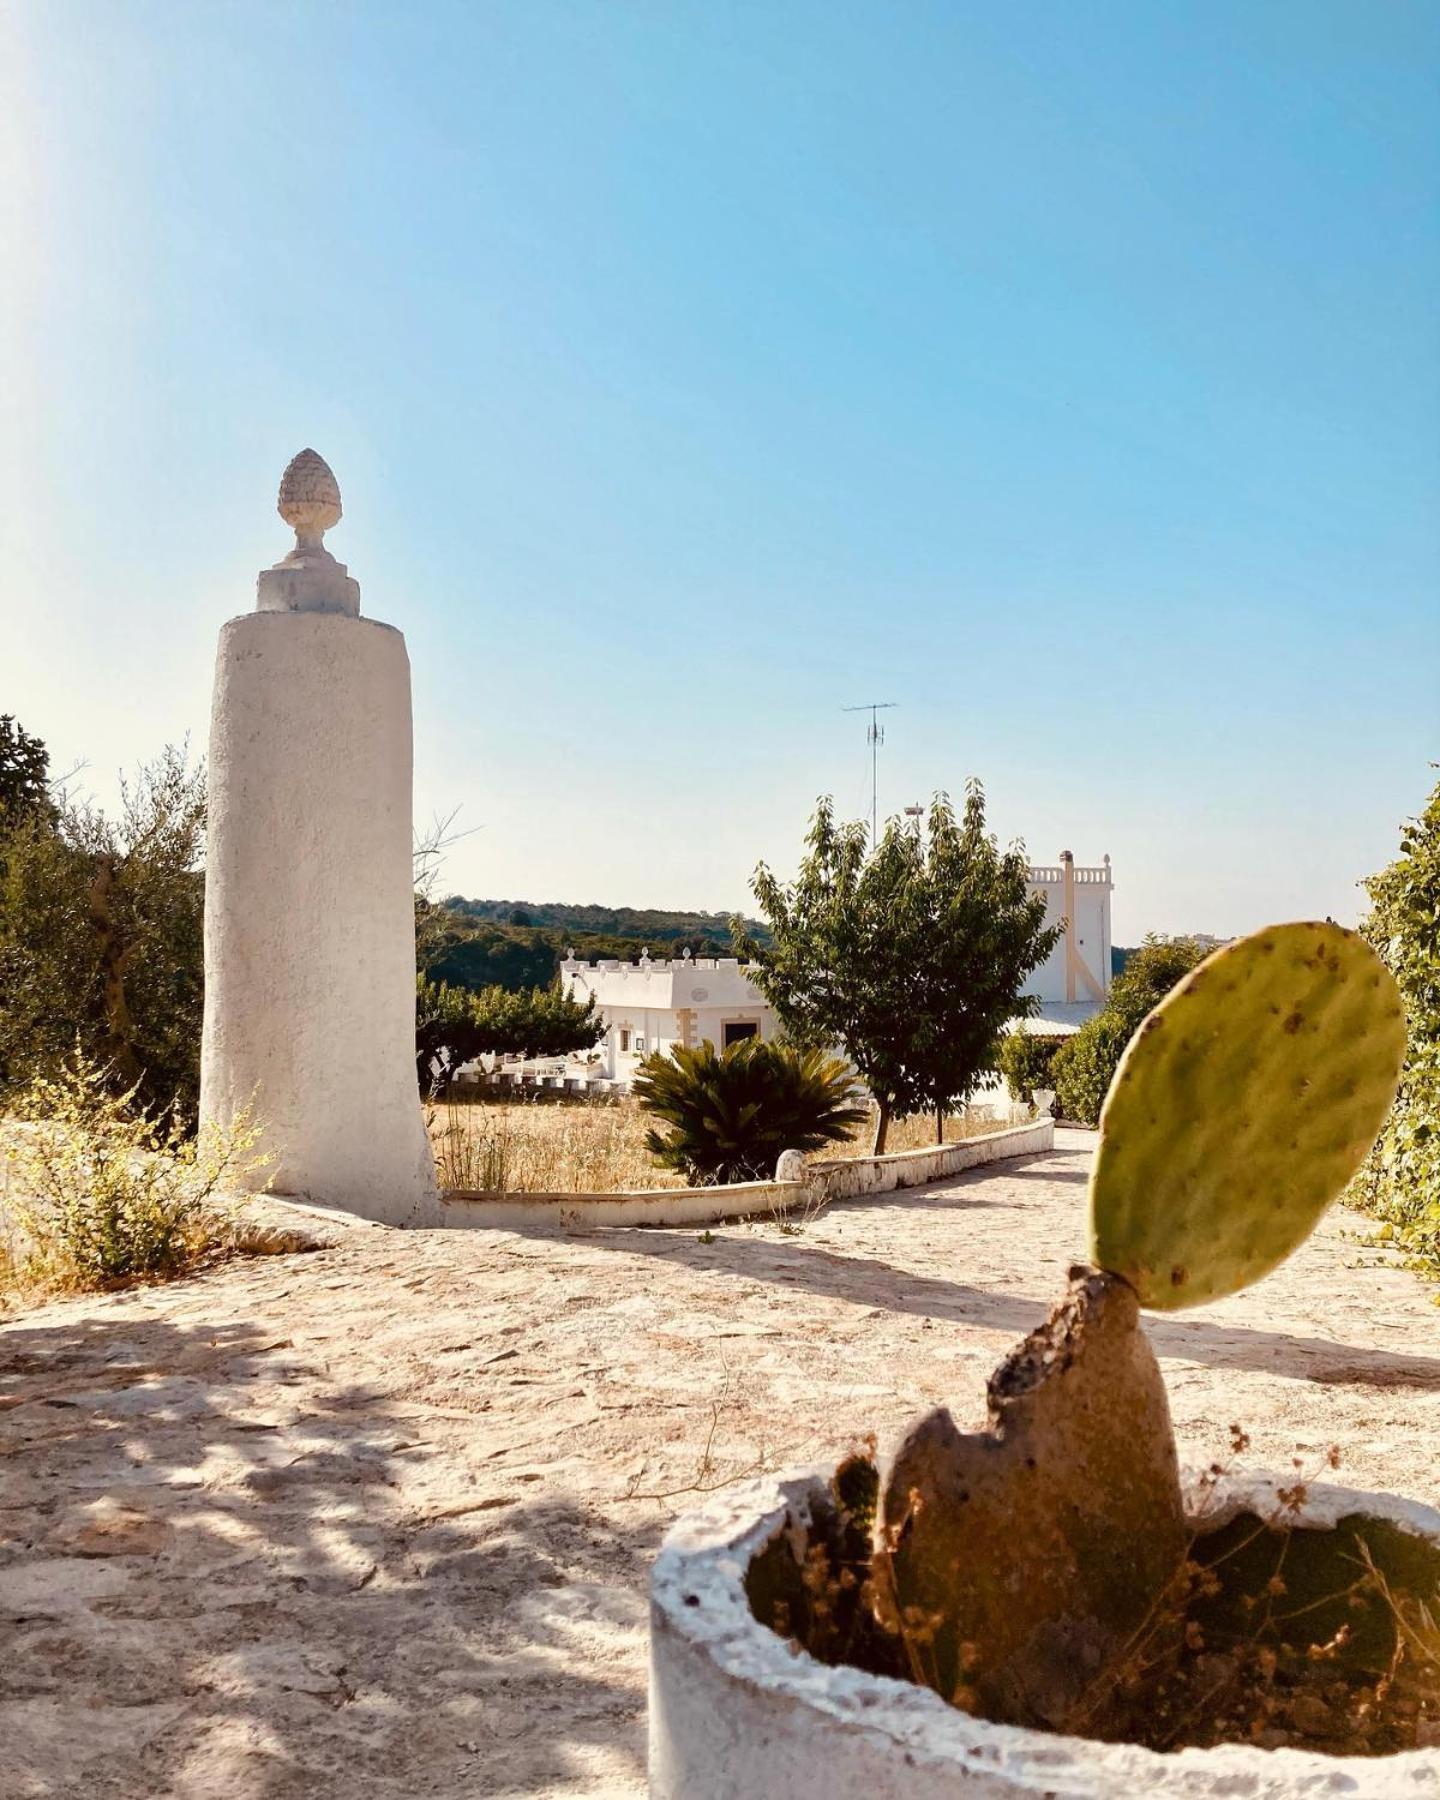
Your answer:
<point x="519" y="944"/>
<point x="638" y="924"/>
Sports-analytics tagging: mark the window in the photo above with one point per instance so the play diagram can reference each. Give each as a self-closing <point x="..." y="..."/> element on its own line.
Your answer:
<point x="624" y="1039"/>
<point x="736" y="1029"/>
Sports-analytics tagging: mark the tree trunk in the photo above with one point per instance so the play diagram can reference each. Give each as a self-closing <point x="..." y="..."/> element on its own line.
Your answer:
<point x="882" y="1127"/>
<point x="119" y="1028"/>
<point x="939" y="1124"/>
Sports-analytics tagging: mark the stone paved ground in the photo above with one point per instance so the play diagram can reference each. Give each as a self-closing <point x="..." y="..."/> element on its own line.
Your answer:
<point x="371" y="1522"/>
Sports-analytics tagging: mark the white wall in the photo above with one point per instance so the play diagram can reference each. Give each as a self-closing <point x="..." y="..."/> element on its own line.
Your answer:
<point x="647" y="999"/>
<point x="1091" y="889"/>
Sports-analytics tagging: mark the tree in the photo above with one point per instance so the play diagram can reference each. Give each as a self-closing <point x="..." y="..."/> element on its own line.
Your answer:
<point x="481" y="956"/>
<point x="1085" y="1064"/>
<point x="1401" y="1178"/>
<point x="542" y="1022"/>
<point x="454" y="1025"/>
<point x="730" y="1114"/>
<point x="1149" y="974"/>
<point x="913" y="957"/>
<point x="446" y="1034"/>
<point x="24" y="772"/>
<point x="1024" y="1060"/>
<point x="101" y="937"/>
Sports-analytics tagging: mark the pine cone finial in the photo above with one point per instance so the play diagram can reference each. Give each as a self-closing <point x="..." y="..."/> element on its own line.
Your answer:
<point x="309" y="499"/>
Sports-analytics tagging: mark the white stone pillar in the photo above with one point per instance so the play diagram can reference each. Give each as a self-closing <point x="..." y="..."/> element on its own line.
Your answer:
<point x="309" y="883"/>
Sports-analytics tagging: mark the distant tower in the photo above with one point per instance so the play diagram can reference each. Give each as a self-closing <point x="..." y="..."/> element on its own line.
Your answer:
<point x="309" y="882"/>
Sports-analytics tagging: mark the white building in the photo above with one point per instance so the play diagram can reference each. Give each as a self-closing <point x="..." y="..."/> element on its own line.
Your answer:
<point x="651" y="1005"/>
<point x="1074" y="982"/>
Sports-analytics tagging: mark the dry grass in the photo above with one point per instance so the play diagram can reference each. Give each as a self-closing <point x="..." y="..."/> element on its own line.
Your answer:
<point x="918" y="1133"/>
<point x="543" y="1147"/>
<point x="554" y="1146"/>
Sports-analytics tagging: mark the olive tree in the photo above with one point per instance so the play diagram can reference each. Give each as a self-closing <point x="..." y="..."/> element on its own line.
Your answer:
<point x="101" y="934"/>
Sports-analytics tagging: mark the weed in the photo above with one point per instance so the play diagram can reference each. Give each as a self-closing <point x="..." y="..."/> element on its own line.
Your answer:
<point x="103" y="1192"/>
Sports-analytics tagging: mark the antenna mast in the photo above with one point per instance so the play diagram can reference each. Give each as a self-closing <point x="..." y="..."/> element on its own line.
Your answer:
<point x="875" y="737"/>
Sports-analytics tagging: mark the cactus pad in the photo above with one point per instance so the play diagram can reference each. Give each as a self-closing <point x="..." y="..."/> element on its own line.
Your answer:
<point x="1241" y="1108"/>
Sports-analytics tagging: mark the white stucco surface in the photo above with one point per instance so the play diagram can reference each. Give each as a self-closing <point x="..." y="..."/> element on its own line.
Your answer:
<point x="309" y="910"/>
<point x="654" y="1005"/>
<point x="638" y="1206"/>
<point x="734" y="1712"/>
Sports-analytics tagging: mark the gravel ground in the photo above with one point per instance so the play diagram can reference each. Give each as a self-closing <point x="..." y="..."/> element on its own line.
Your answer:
<point x="375" y="1521"/>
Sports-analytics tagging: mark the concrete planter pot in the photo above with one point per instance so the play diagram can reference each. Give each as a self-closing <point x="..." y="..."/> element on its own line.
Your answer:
<point x="735" y="1711"/>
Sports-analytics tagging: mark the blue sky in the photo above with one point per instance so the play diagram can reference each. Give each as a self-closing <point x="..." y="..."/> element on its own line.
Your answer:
<point x="1069" y="375"/>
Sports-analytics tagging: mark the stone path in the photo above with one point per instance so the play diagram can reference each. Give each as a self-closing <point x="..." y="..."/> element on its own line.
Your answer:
<point x="372" y="1522"/>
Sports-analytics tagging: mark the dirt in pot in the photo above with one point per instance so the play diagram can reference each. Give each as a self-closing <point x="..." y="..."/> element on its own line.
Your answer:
<point x="1322" y="1640"/>
<point x="1271" y="1634"/>
<point x="811" y="1582"/>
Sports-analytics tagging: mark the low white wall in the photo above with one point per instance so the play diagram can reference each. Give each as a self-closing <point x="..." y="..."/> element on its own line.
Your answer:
<point x="837" y="1178"/>
<point x="843" y="1177"/>
<point x="641" y="1206"/>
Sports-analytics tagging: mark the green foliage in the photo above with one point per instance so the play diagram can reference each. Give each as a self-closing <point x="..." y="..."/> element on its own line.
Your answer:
<point x="664" y="933"/>
<point x="1400" y="1182"/>
<point x="490" y="943"/>
<point x="543" y="1022"/>
<point x="101" y="937"/>
<point x="446" y="1034"/>
<point x="106" y="1191"/>
<point x="466" y="955"/>
<point x="1084" y="1066"/>
<point x="731" y="1113"/>
<point x="1082" y="1069"/>
<point x="913" y="956"/>
<point x="454" y="1025"/>
<point x="1024" y="1060"/>
<point x="1241" y="1109"/>
<point x="1149" y="974"/>
<point x="24" y="772"/>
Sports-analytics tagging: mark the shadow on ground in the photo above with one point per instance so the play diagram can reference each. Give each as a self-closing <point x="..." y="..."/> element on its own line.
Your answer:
<point x="207" y="1594"/>
<point x="865" y="1281"/>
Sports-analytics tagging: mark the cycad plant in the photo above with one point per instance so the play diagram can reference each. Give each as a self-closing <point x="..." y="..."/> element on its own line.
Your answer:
<point x="730" y="1113"/>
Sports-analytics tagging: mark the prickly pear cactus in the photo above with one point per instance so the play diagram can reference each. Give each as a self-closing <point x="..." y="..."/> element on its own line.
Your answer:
<point x="1242" y="1107"/>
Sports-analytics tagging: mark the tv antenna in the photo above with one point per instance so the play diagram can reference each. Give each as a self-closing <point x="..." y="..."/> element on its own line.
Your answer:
<point x="875" y="737"/>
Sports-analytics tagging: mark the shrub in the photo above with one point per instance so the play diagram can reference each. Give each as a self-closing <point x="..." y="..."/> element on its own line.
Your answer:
<point x="730" y="1114"/>
<point x="1085" y="1063"/>
<point x="453" y="1024"/>
<point x="1400" y="1181"/>
<point x="101" y="936"/>
<point x="1082" y="1067"/>
<point x="108" y="1193"/>
<point x="1024" y="1061"/>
